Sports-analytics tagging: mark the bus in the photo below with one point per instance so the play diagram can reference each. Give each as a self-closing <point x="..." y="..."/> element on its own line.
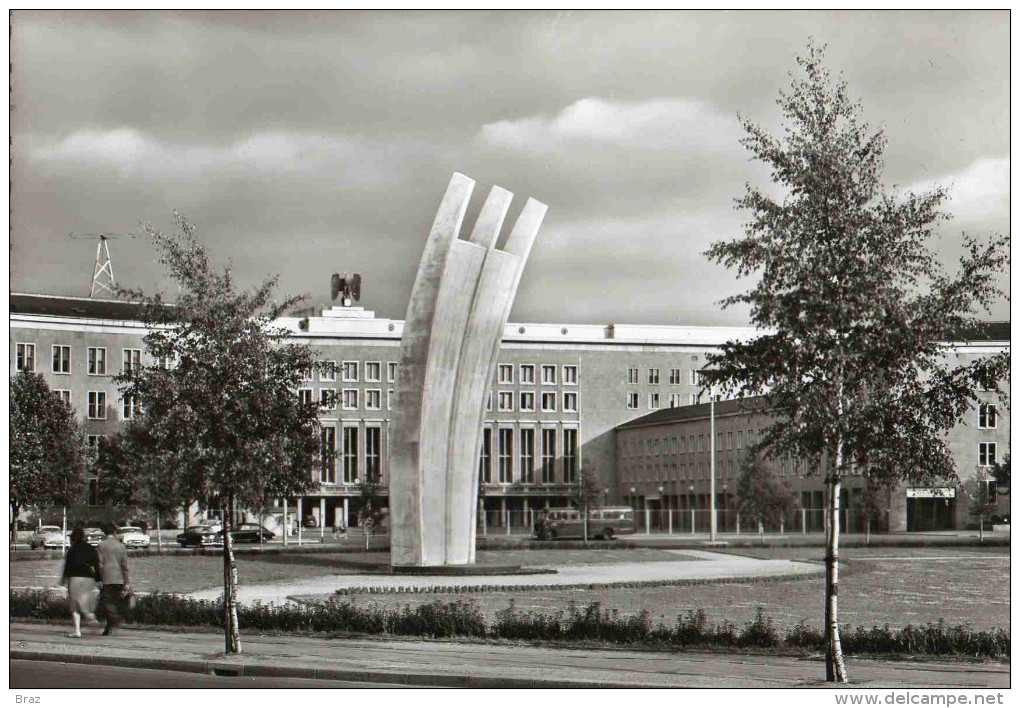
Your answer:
<point x="607" y="523"/>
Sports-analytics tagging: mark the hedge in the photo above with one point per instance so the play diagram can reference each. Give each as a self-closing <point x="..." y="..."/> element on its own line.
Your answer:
<point x="592" y="622"/>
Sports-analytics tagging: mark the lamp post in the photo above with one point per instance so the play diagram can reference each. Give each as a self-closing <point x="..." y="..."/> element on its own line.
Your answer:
<point x="693" y="504"/>
<point x="711" y="479"/>
<point x="662" y="504"/>
<point x="633" y="497"/>
<point x="606" y="492"/>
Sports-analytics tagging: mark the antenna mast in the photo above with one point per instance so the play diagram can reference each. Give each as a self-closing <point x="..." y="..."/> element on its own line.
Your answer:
<point x="102" y="275"/>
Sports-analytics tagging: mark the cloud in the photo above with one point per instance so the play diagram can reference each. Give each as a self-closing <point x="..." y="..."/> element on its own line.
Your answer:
<point x="655" y="124"/>
<point x="979" y="191"/>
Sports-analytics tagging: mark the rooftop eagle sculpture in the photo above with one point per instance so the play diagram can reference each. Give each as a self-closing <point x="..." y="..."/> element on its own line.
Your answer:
<point x="348" y="288"/>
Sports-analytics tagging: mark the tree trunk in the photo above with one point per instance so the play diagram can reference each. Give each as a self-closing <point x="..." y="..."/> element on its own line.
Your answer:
<point x="835" y="667"/>
<point x="159" y="536"/>
<point x="584" y="510"/>
<point x="231" y="630"/>
<point x="981" y="529"/>
<point x="867" y="534"/>
<point x="261" y="547"/>
<point x="63" y="531"/>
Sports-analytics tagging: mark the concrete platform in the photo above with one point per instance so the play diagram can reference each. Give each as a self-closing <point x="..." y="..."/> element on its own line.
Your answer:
<point x="691" y="566"/>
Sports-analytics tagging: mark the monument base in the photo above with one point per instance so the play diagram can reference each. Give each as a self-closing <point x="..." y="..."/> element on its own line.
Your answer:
<point x="473" y="569"/>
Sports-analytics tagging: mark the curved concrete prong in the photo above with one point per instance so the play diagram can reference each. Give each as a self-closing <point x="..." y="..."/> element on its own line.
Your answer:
<point x="523" y="235"/>
<point x="490" y="219"/>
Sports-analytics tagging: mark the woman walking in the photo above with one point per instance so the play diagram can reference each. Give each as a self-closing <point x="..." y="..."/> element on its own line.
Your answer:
<point x="81" y="567"/>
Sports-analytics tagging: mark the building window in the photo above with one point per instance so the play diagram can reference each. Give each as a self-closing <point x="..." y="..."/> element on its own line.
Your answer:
<point x="548" y="455"/>
<point x="373" y="453"/>
<point x="391" y="371"/>
<point x="527" y="373"/>
<point x="373" y="399"/>
<point x="506" y="373"/>
<point x="97" y="361"/>
<point x="61" y="359"/>
<point x="987" y="415"/>
<point x="166" y="362"/>
<point x="548" y="402"/>
<point x="389" y="399"/>
<point x="327" y="455"/>
<point x="129" y="407"/>
<point x="675" y="400"/>
<point x="569" y="455"/>
<point x="674" y="377"/>
<point x="92" y="497"/>
<point x="506" y="401"/>
<point x="527" y="401"/>
<point x="570" y="402"/>
<point x="695" y="378"/>
<point x="701" y="443"/>
<point x="740" y="439"/>
<point x="373" y="371"/>
<point x="485" y="457"/>
<point x="64" y="395"/>
<point x="528" y="454"/>
<point x="632" y="376"/>
<point x="97" y="405"/>
<point x="350" y="455"/>
<point x="506" y="455"/>
<point x="570" y="375"/>
<point x="986" y="454"/>
<point x="548" y="375"/>
<point x="304" y="396"/>
<point x="653" y="376"/>
<point x="692" y="399"/>
<point x="349" y="371"/>
<point x="729" y="440"/>
<point x="653" y="401"/>
<point x="327" y="399"/>
<point x="327" y="372"/>
<point x="350" y="400"/>
<point x="24" y="357"/>
<point x="132" y="360"/>
<point x="632" y="401"/>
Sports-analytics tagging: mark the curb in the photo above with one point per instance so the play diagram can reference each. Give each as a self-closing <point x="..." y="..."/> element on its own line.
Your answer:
<point x="222" y="668"/>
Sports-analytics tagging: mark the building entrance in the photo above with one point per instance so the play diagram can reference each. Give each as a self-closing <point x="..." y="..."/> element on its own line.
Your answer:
<point x="930" y="514"/>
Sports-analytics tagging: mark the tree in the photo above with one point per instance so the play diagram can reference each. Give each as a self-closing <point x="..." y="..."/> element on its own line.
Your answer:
<point x="853" y="308"/>
<point x="47" y="447"/>
<point x="369" y="503"/>
<point x="220" y="408"/>
<point x="981" y="501"/>
<point x="1000" y="471"/>
<point x="136" y="480"/>
<point x="760" y="494"/>
<point x="586" y="494"/>
<point x="874" y="503"/>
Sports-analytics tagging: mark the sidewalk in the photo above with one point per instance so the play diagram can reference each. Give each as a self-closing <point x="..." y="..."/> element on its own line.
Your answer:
<point x="472" y="665"/>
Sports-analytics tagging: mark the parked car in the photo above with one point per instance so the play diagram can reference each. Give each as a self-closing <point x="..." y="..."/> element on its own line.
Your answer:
<point x="199" y="536"/>
<point x="47" y="537"/>
<point x="133" y="537"/>
<point x="247" y="533"/>
<point x="605" y="523"/>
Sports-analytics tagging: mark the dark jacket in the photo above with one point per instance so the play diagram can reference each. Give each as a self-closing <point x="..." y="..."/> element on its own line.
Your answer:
<point x="82" y="562"/>
<point x="113" y="559"/>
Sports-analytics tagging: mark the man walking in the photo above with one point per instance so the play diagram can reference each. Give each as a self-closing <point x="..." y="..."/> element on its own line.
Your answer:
<point x="113" y="560"/>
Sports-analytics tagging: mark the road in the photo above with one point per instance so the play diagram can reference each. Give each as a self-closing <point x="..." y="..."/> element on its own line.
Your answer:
<point x="45" y="674"/>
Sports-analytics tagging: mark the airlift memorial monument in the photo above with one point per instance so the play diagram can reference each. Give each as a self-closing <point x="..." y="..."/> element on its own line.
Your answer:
<point x="459" y="306"/>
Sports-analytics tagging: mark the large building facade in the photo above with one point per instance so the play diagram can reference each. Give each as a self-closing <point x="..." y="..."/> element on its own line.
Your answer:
<point x="559" y="394"/>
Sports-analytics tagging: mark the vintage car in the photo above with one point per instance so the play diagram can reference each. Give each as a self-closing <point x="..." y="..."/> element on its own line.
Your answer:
<point x="247" y="533"/>
<point x="199" y="536"/>
<point x="47" y="537"/>
<point x="133" y="537"/>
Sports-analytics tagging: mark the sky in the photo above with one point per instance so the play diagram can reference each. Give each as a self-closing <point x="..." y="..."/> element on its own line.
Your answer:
<point x="307" y="143"/>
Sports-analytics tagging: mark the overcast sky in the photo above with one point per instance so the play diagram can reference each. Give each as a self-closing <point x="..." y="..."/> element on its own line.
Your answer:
<point x="303" y="144"/>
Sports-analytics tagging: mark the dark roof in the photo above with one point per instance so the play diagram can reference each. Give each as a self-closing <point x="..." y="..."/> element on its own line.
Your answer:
<point x="64" y="306"/>
<point x="700" y="410"/>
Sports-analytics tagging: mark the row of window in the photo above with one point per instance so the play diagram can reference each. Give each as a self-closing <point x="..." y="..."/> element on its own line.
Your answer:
<point x="95" y="357"/>
<point x="348" y="398"/>
<point x="526" y="400"/>
<point x="675" y="400"/>
<point x="675" y="378"/>
<point x="95" y="407"/>
<point x="347" y="454"/>
<point x="527" y="374"/>
<point x="673" y="444"/>
<point x="349" y="371"/>
<point x="524" y="470"/>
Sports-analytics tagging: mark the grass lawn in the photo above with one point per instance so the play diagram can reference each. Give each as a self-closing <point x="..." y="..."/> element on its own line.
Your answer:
<point x="187" y="573"/>
<point x="877" y="586"/>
